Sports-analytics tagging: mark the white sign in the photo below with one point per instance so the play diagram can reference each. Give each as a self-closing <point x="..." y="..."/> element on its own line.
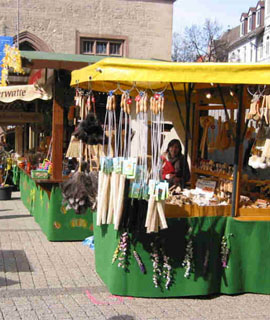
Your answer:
<point x="206" y="187"/>
<point x="25" y="93"/>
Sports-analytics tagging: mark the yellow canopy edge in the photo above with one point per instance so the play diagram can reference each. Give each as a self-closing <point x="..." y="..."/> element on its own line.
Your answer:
<point x="108" y="73"/>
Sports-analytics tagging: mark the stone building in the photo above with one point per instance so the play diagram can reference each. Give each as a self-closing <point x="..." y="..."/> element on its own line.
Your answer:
<point x="128" y="28"/>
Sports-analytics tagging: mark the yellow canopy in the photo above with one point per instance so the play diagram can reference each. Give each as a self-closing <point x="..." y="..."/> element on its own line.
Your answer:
<point x="108" y="73"/>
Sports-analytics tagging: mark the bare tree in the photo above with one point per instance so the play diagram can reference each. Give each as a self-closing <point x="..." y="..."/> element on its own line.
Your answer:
<point x="201" y="43"/>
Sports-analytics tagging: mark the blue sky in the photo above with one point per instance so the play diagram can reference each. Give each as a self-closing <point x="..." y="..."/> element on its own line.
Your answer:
<point x="226" y="12"/>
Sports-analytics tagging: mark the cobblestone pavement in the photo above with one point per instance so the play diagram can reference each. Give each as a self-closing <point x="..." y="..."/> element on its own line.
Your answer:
<point x="57" y="280"/>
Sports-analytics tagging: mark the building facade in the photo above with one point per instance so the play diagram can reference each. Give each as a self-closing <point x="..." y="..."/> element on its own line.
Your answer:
<point x="125" y="28"/>
<point x="250" y="41"/>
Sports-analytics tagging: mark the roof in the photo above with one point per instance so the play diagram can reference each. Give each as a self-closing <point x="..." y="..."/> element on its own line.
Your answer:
<point x="248" y="36"/>
<point x="251" y="9"/>
<point x="231" y="35"/>
<point x="260" y="3"/>
<point x="107" y="74"/>
<point x="243" y="15"/>
<point x="51" y="60"/>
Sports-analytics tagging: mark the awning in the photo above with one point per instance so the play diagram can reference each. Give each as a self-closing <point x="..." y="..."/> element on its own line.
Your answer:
<point x="106" y="74"/>
<point x="51" y="60"/>
<point x="26" y="93"/>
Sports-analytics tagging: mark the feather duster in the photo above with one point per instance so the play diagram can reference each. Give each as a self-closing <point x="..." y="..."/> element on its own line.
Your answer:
<point x="80" y="191"/>
<point x="90" y="130"/>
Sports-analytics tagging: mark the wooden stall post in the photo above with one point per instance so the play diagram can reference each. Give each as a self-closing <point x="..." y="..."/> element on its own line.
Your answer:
<point x="188" y="135"/>
<point x="19" y="140"/>
<point x="195" y="139"/>
<point x="57" y="140"/>
<point x="238" y="152"/>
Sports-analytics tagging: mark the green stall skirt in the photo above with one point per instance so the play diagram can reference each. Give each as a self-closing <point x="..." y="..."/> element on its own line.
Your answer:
<point x="248" y="262"/>
<point x="58" y="223"/>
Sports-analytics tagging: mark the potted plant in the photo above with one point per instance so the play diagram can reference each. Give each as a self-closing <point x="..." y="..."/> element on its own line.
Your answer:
<point x="5" y="172"/>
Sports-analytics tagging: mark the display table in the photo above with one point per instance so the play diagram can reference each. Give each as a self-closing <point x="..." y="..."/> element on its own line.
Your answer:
<point x="56" y="222"/>
<point x="248" y="265"/>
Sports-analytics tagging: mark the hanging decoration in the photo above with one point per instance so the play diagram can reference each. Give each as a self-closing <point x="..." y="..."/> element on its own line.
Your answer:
<point x="225" y="250"/>
<point x="11" y="60"/>
<point x="139" y="261"/>
<point x="161" y="265"/>
<point x="188" y="262"/>
<point x="158" y="191"/>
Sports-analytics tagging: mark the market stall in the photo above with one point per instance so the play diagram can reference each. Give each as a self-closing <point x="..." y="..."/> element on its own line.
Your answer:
<point x="39" y="172"/>
<point x="205" y="237"/>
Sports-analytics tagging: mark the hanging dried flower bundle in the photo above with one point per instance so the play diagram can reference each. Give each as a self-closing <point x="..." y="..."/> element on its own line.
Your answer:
<point x="139" y="261"/>
<point x="188" y="262"/>
<point x="225" y="250"/>
<point x="123" y="251"/>
<point x="156" y="265"/>
<point x="167" y="271"/>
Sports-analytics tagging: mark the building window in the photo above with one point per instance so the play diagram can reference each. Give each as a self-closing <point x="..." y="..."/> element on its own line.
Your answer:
<point x="238" y="56"/>
<point x="251" y="53"/>
<point x="258" y="18"/>
<point x="267" y="46"/>
<point x="232" y="59"/>
<point x="88" y="47"/>
<point x="250" y="23"/>
<point x="243" y="28"/>
<point x="261" y="49"/>
<point x="105" y="47"/>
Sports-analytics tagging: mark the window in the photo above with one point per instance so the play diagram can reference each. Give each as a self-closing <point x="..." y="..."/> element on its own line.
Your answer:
<point x="261" y="49"/>
<point x="250" y="24"/>
<point x="101" y="47"/>
<point x="88" y="47"/>
<point x="115" y="48"/>
<point x="245" y="54"/>
<point x="258" y="18"/>
<point x="106" y="47"/>
<point x="267" y="46"/>
<point x="243" y="28"/>
<point x="251" y="53"/>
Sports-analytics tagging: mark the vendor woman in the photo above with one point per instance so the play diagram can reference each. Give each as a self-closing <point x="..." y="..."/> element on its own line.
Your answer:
<point x="175" y="169"/>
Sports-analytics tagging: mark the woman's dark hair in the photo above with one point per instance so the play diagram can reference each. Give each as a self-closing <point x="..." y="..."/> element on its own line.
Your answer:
<point x="172" y="143"/>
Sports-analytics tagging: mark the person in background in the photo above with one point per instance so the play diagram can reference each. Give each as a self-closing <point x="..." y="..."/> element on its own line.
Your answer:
<point x="175" y="169"/>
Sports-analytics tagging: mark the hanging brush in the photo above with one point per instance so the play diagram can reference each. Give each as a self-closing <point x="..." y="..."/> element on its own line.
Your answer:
<point x="155" y="218"/>
<point x="80" y="191"/>
<point x="90" y="131"/>
<point x="105" y="201"/>
<point x="124" y="152"/>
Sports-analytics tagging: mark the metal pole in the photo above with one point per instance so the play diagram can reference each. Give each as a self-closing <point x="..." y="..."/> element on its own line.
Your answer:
<point x="187" y="135"/>
<point x="18" y="22"/>
<point x="178" y="107"/>
<point x="236" y="151"/>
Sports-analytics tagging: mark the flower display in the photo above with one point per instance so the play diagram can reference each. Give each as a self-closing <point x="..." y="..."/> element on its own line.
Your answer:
<point x="12" y="59"/>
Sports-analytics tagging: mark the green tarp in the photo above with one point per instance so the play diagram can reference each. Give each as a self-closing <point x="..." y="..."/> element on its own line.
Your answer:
<point x="55" y="221"/>
<point x="248" y="265"/>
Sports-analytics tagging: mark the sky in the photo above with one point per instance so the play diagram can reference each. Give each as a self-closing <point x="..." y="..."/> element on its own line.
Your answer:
<point x="225" y="12"/>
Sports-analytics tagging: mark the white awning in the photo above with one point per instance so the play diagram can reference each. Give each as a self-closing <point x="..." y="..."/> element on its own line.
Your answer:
<point x="26" y="93"/>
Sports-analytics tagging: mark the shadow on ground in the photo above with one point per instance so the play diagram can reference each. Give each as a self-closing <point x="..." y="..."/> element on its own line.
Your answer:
<point x="15" y="216"/>
<point x="14" y="261"/>
<point x="7" y="282"/>
<point x="121" y="317"/>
